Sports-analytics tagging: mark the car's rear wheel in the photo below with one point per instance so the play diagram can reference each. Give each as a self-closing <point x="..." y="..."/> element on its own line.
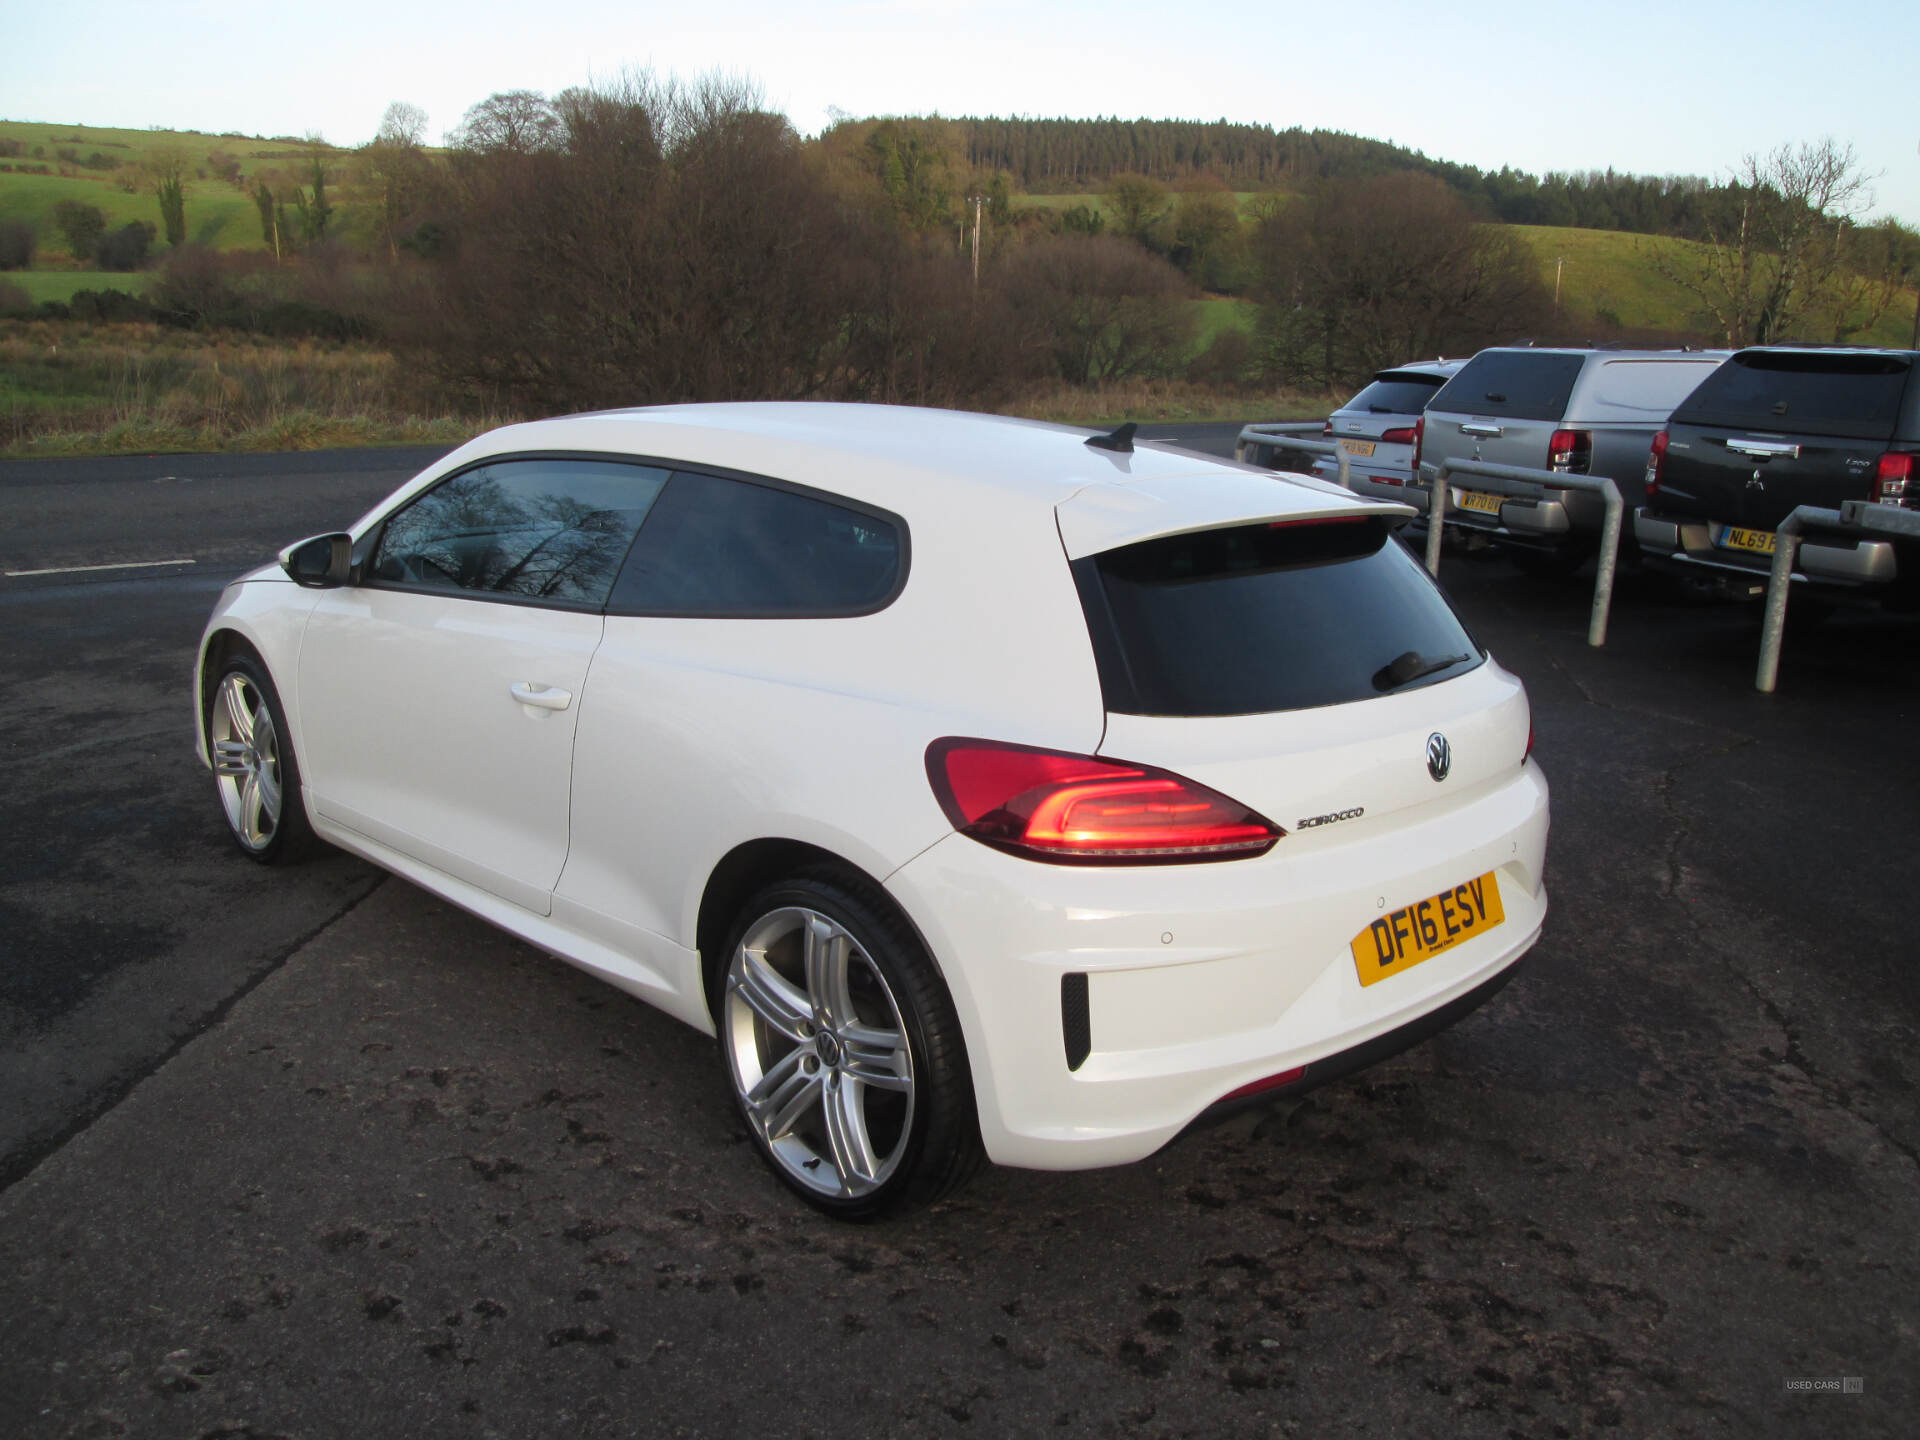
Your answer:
<point x="254" y="771"/>
<point x="843" y="1051"/>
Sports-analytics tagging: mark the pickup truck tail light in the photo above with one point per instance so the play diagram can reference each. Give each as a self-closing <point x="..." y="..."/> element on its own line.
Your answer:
<point x="1656" y="460"/>
<point x="1419" y="437"/>
<point x="1890" y="479"/>
<point x="1570" y="451"/>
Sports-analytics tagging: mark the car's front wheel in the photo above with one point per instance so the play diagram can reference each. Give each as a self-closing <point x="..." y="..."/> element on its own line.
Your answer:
<point x="843" y="1051"/>
<point x="254" y="771"/>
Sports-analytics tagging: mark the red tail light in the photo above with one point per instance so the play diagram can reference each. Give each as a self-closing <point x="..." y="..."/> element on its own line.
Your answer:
<point x="1571" y="451"/>
<point x="1890" y="478"/>
<point x="1419" y="438"/>
<point x="1402" y="435"/>
<point x="1326" y="429"/>
<point x="1656" y="458"/>
<point x="1049" y="805"/>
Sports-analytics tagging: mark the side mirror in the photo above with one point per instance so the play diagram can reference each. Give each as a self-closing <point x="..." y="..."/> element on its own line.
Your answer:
<point x="323" y="563"/>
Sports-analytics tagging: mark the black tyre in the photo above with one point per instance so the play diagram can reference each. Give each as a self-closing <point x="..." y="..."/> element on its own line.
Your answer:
<point x="255" y="775"/>
<point x="842" y="1050"/>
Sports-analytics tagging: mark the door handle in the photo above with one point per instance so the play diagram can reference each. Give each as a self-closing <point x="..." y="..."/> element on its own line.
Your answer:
<point x="541" y="697"/>
<point x="1765" y="449"/>
<point x="1489" y="432"/>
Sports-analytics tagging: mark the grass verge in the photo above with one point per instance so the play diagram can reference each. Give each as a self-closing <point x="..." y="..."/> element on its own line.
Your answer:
<point x="70" y="388"/>
<point x="75" y="389"/>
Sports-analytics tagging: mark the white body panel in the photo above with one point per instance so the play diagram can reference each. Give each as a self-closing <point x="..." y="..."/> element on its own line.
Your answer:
<point x="593" y="830"/>
<point x="414" y="737"/>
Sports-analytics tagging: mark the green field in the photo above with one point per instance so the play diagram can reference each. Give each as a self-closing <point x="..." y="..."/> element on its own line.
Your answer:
<point x="1610" y="279"/>
<point x="1247" y="200"/>
<point x="219" y="214"/>
<point x="1220" y="312"/>
<point x="62" y="284"/>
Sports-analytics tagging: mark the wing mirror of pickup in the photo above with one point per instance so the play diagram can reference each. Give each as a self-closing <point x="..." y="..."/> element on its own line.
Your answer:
<point x="323" y="563"/>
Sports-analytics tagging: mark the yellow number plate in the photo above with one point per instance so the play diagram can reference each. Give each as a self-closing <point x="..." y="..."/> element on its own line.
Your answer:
<point x="1761" y="542"/>
<point x="1481" y="501"/>
<point x="1401" y="940"/>
<point x="1361" y="448"/>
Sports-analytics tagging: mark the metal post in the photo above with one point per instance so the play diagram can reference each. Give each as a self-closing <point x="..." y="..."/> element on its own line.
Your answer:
<point x="1436" y="512"/>
<point x="1607" y="563"/>
<point x="1779" y="581"/>
<point x="1301" y="437"/>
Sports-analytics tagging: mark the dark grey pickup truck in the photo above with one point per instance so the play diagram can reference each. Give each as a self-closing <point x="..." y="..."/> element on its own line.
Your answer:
<point x="1776" y="427"/>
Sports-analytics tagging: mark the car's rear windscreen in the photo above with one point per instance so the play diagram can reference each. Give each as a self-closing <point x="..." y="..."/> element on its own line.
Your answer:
<point x="1393" y="394"/>
<point x="1802" y="391"/>
<point x="1513" y="384"/>
<point x="1266" y="617"/>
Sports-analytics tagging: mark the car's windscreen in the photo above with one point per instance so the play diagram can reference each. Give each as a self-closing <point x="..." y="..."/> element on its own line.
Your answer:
<point x="1396" y="394"/>
<point x="1258" y="618"/>
<point x="1824" y="394"/>
<point x="1514" y="384"/>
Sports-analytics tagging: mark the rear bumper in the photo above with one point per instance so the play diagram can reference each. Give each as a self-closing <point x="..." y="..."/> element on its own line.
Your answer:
<point x="1545" y="523"/>
<point x="1368" y="1053"/>
<point x="1106" y="1009"/>
<point x="1681" y="546"/>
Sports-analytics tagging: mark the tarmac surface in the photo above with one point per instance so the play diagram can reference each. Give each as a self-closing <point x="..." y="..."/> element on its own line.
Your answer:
<point x="311" y="1154"/>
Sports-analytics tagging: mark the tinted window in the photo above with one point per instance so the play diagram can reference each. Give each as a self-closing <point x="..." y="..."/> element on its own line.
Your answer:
<point x="1518" y="384"/>
<point x="1260" y="618"/>
<point x="1826" y="394"/>
<point x="553" y="530"/>
<point x="1396" y="395"/>
<point x="722" y="547"/>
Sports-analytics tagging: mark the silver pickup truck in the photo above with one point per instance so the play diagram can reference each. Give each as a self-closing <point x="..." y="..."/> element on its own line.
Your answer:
<point x="1583" y="411"/>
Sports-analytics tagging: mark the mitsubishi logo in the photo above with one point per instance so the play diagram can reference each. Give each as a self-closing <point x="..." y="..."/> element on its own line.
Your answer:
<point x="1439" y="756"/>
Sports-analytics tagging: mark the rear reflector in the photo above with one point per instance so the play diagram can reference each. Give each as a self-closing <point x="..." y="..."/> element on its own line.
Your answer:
<point x="1075" y="809"/>
<point x="1272" y="1082"/>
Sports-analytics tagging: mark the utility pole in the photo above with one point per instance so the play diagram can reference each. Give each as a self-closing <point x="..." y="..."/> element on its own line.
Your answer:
<point x="1914" y="343"/>
<point x="977" y="201"/>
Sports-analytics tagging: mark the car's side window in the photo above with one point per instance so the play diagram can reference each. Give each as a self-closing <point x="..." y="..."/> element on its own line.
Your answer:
<point x="715" y="547"/>
<point x="543" y="530"/>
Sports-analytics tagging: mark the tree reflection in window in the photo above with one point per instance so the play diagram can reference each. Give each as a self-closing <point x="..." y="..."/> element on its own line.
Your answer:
<point x="552" y="530"/>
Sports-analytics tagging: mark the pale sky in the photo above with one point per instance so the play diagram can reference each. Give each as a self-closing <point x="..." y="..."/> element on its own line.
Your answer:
<point x="1679" y="87"/>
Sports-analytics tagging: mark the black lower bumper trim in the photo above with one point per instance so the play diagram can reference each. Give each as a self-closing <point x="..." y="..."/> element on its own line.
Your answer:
<point x="1368" y="1052"/>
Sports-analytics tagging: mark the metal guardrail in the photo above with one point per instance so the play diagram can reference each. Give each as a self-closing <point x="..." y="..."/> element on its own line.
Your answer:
<point x="1525" y="484"/>
<point x="1293" y="436"/>
<point x="1854" y="518"/>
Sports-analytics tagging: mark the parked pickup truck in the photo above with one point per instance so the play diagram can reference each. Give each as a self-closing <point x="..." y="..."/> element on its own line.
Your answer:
<point x="1777" y="427"/>
<point x="1582" y="411"/>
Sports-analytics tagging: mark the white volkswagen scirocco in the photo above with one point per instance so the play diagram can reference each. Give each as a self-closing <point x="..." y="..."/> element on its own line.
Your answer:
<point x="985" y="787"/>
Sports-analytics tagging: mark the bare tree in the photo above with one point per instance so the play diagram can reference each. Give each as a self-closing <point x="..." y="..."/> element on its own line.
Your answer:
<point x="168" y="167"/>
<point x="1776" y="261"/>
<point x="398" y="170"/>
<point x="1357" y="277"/>
<point x="1099" y="307"/>
<point x="517" y="121"/>
<point x="1139" y="203"/>
<point x="402" y="124"/>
